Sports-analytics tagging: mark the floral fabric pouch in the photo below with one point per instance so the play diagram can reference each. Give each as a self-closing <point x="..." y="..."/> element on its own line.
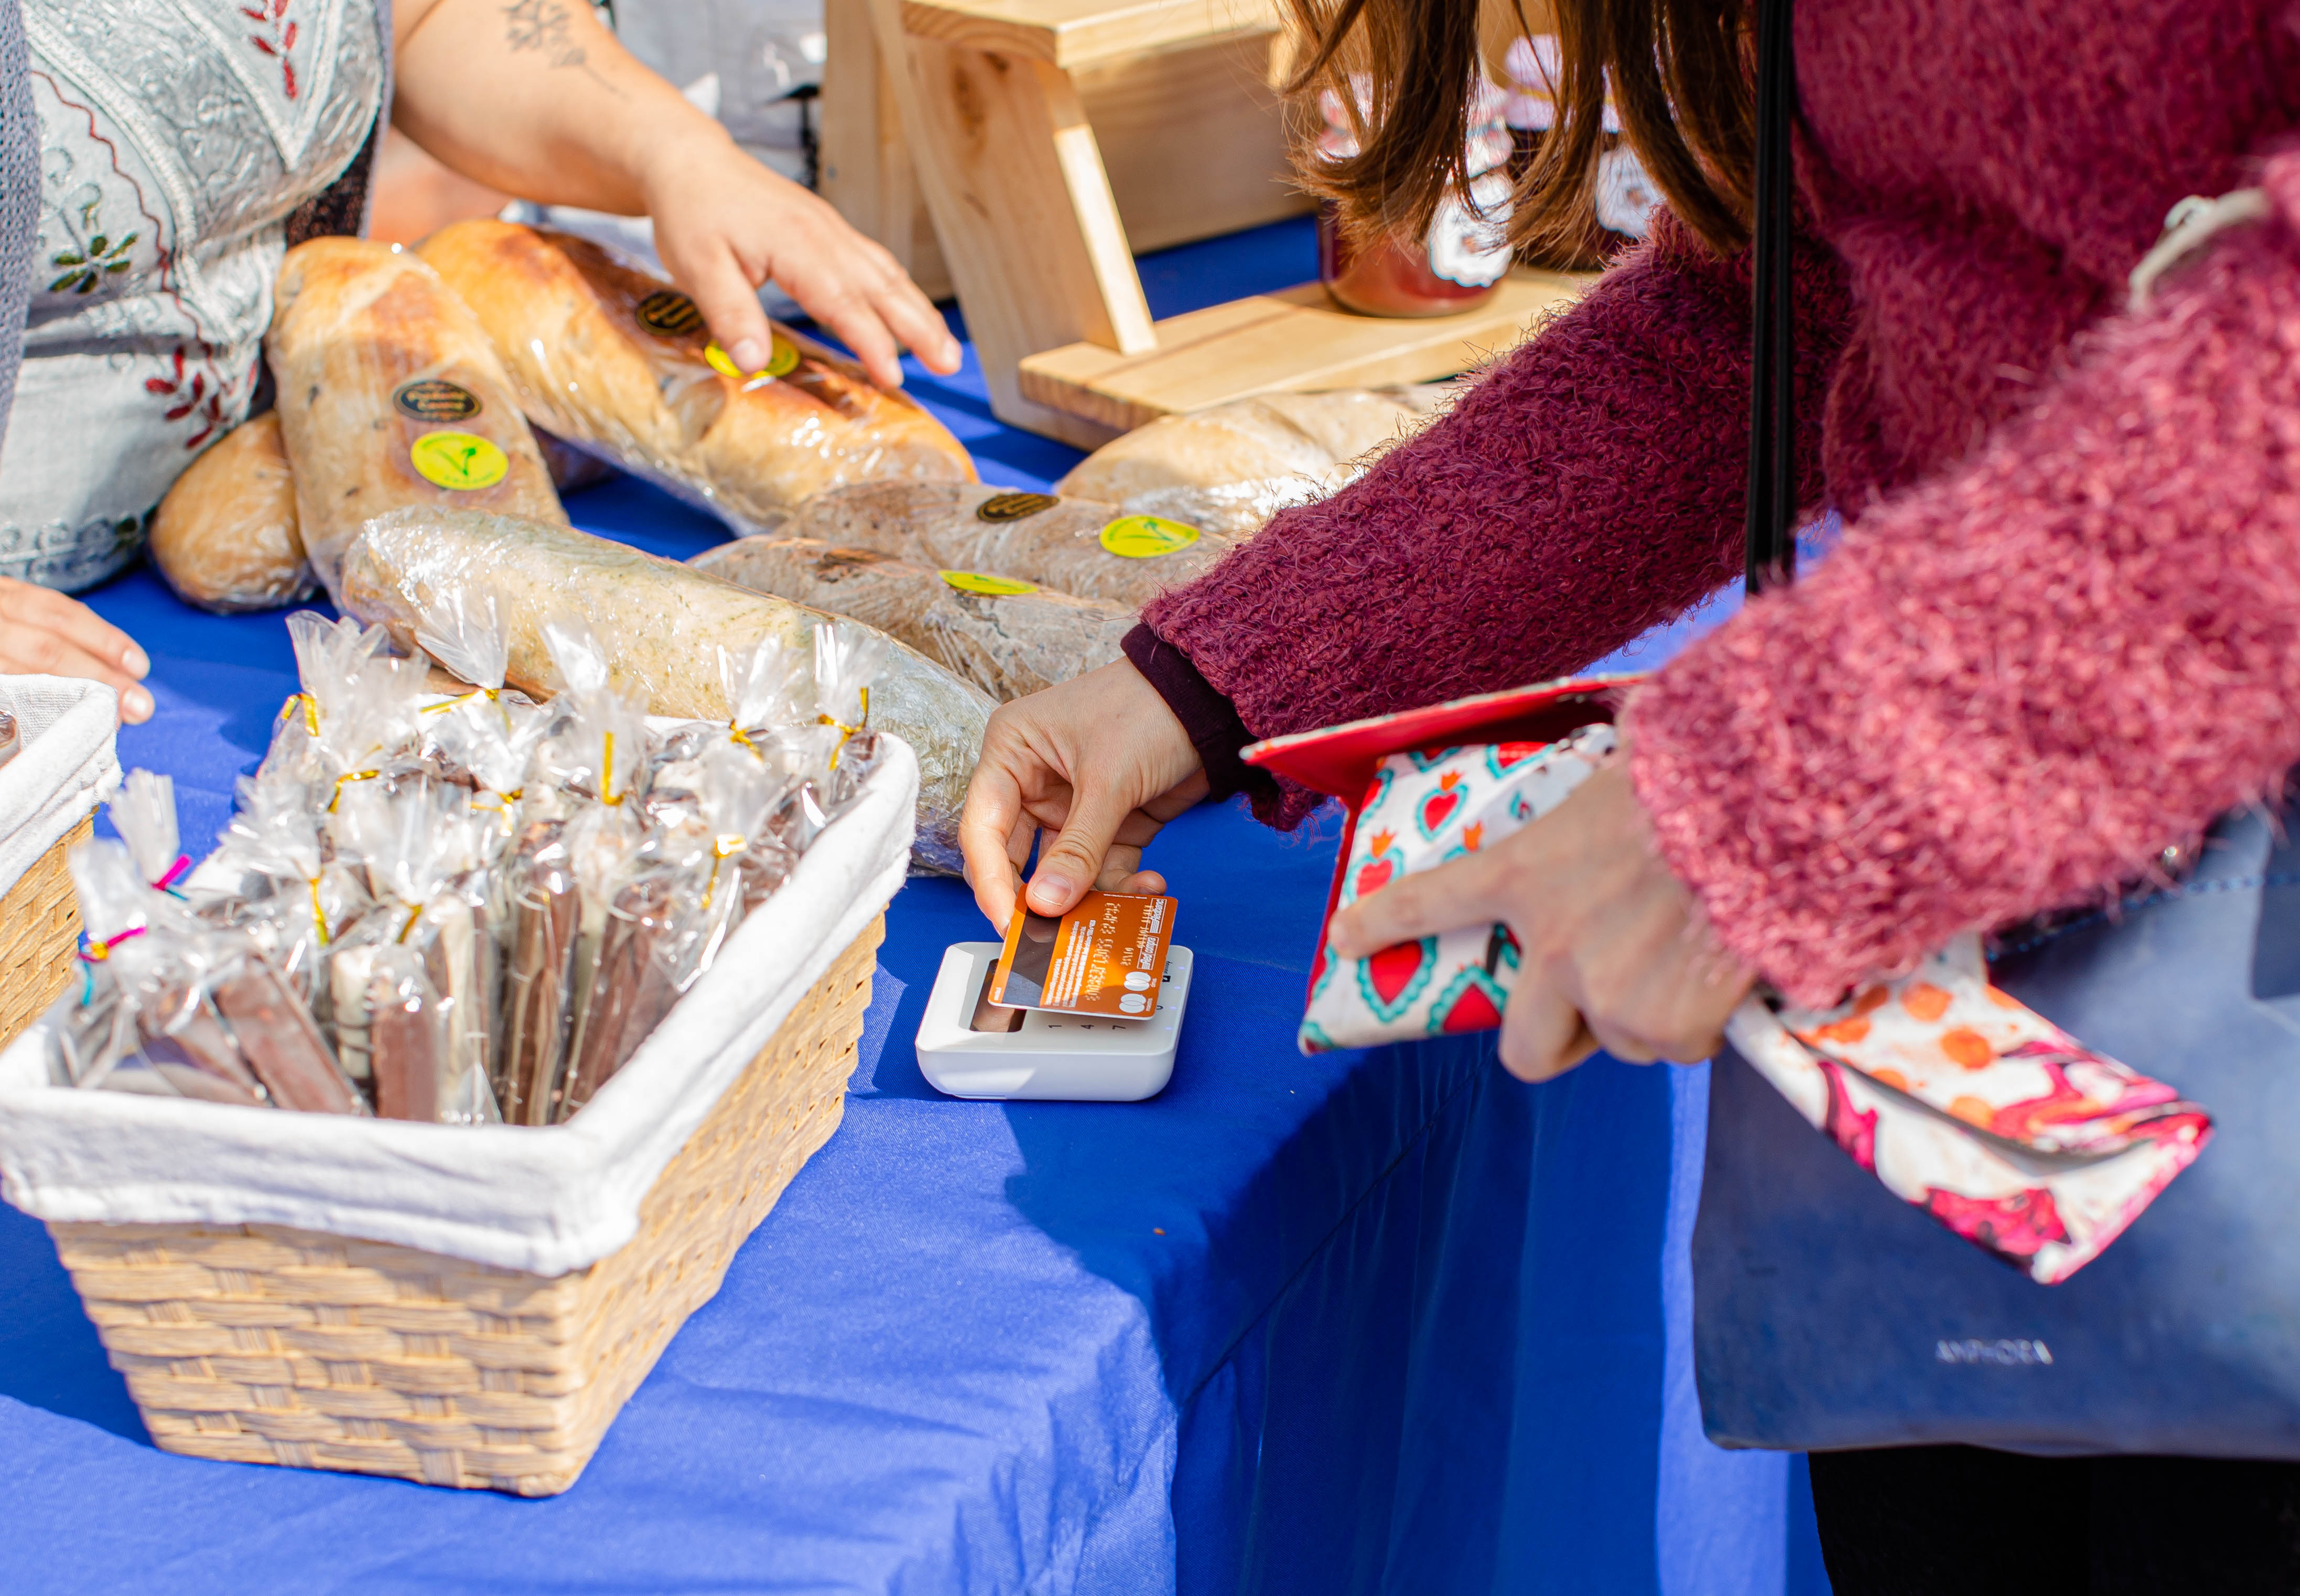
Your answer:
<point x="1958" y="1098"/>
<point x="1421" y="811"/>
<point x="1980" y="1111"/>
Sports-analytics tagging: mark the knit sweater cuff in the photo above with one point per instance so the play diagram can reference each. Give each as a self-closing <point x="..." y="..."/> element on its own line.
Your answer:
<point x="1211" y="721"/>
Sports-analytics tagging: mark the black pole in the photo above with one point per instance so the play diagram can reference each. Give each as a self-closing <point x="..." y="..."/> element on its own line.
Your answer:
<point x="1772" y="389"/>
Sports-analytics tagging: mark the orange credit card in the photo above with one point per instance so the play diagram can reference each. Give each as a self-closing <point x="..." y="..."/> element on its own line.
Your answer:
<point x="1103" y="957"/>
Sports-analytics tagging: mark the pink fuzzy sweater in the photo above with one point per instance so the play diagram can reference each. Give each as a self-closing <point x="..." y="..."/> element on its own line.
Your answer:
<point x="2062" y="628"/>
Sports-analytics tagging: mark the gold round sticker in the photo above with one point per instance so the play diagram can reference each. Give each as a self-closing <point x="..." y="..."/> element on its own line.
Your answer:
<point x="461" y="460"/>
<point x="1013" y="506"/>
<point x="782" y="363"/>
<point x="980" y="582"/>
<point x="669" y="313"/>
<point x="1146" y="536"/>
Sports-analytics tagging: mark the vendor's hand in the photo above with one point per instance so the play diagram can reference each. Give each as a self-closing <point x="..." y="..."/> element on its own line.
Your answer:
<point x="44" y="633"/>
<point x="1613" y="952"/>
<point x="724" y="224"/>
<point x="1100" y="758"/>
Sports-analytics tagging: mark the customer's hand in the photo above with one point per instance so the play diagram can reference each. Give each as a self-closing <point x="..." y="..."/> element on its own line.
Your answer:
<point x="724" y="224"/>
<point x="1100" y="759"/>
<point x="1614" y="952"/>
<point x="44" y="633"/>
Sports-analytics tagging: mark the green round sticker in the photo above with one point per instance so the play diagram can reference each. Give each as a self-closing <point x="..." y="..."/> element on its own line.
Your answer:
<point x="781" y="363"/>
<point x="462" y="460"/>
<point x="981" y="581"/>
<point x="1146" y="536"/>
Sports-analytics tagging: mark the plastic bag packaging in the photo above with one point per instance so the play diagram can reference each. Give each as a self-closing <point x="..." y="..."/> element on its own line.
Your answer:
<point x="538" y="967"/>
<point x="1234" y="510"/>
<point x="195" y="1012"/>
<point x="273" y="878"/>
<point x="143" y="813"/>
<point x="662" y="624"/>
<point x="618" y="360"/>
<point x="410" y="993"/>
<point x="1006" y="636"/>
<point x="681" y="898"/>
<point x="487" y="735"/>
<point x="226" y="536"/>
<point x="1271" y="438"/>
<point x="770" y="686"/>
<point x="1084" y="548"/>
<point x="391" y="394"/>
<point x="358" y="707"/>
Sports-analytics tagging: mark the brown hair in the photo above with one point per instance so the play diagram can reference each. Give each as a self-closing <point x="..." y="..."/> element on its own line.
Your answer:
<point x="1680" y="82"/>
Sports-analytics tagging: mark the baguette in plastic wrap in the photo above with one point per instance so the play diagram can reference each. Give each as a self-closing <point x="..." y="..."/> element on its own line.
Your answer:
<point x="1316" y="441"/>
<point x="391" y="396"/>
<point x="1086" y="549"/>
<point x="661" y="625"/>
<point x="1007" y="637"/>
<point x="225" y="537"/>
<point x="618" y="360"/>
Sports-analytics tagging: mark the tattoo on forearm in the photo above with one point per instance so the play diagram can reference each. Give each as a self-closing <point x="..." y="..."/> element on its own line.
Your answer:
<point x="542" y="25"/>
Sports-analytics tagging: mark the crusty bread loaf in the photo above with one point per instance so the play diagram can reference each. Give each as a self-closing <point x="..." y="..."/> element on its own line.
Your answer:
<point x="663" y="625"/>
<point x="225" y="537"/>
<point x="1006" y="642"/>
<point x="618" y="361"/>
<point x="384" y="376"/>
<point x="1056" y="543"/>
<point x="1313" y="438"/>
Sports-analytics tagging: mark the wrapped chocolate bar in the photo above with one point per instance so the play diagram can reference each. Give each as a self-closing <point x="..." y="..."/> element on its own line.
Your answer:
<point x="358" y="705"/>
<point x="686" y="890"/>
<point x="545" y="909"/>
<point x="271" y="876"/>
<point x="486" y="736"/>
<point x="195" y="1012"/>
<point x="411" y="997"/>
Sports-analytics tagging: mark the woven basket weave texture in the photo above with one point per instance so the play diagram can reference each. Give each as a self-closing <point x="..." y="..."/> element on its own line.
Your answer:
<point x="262" y="1344"/>
<point x="39" y="933"/>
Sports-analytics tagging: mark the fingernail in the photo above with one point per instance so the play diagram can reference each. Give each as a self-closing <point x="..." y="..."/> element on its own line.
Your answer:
<point x="1049" y="887"/>
<point x="749" y="356"/>
<point x="136" y="705"/>
<point x="136" y="663"/>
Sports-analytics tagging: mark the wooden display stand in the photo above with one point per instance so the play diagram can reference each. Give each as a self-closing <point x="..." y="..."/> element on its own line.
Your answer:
<point x="998" y="136"/>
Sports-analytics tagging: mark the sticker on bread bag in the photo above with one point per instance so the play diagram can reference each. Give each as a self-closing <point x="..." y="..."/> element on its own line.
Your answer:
<point x="1013" y="506"/>
<point x="983" y="581"/>
<point x="463" y="462"/>
<point x="435" y="399"/>
<point x="1103" y="957"/>
<point x="669" y="313"/>
<point x="781" y="363"/>
<point x="1146" y="536"/>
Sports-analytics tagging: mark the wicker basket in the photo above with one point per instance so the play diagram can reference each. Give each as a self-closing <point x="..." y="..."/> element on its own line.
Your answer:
<point x="259" y="1344"/>
<point x="40" y="932"/>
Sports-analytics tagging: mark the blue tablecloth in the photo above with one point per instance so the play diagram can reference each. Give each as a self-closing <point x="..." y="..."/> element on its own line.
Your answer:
<point x="1370" y="1322"/>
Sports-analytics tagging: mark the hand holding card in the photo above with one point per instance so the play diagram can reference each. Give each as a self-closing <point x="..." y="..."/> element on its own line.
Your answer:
<point x="1103" y="957"/>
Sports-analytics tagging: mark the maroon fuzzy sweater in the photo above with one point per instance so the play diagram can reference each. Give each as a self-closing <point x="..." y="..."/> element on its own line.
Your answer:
<point x="2062" y="628"/>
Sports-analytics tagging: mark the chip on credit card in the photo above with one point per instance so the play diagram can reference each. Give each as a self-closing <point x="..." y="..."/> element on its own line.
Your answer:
<point x="1105" y="957"/>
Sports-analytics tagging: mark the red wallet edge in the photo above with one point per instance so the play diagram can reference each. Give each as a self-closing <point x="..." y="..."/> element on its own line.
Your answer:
<point x="1339" y="760"/>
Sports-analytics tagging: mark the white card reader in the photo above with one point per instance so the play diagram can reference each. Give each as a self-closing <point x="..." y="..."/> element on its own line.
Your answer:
<point x="968" y="1048"/>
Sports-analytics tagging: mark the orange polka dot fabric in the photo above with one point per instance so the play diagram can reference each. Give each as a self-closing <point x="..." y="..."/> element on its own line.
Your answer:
<point x="1970" y="1104"/>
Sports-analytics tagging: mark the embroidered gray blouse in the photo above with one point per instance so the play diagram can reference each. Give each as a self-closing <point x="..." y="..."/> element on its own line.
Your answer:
<point x="179" y="144"/>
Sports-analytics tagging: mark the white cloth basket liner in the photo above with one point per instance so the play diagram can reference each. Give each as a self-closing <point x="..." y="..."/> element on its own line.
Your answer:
<point x="546" y="1201"/>
<point x="65" y="763"/>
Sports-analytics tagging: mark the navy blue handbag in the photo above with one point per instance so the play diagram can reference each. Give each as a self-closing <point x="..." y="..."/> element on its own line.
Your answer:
<point x="1830" y="1314"/>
